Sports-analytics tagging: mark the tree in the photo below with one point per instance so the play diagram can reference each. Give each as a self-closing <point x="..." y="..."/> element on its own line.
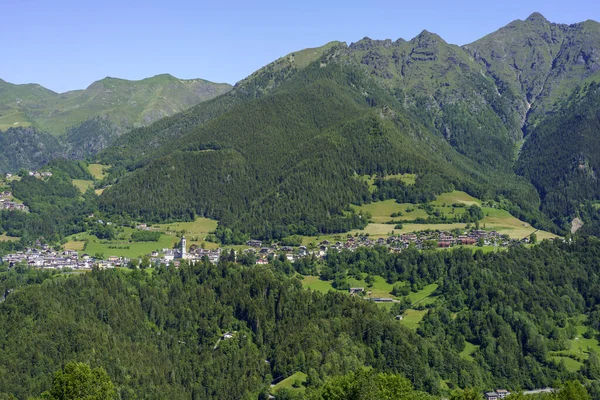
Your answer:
<point x="77" y="381"/>
<point x="573" y="390"/>
<point x="533" y="238"/>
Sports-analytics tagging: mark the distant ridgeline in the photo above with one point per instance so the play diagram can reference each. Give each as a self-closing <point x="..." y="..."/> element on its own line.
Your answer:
<point x="281" y="153"/>
<point x="79" y="123"/>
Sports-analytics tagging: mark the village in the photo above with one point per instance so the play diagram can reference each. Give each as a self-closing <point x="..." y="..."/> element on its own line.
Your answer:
<point x="42" y="256"/>
<point x="7" y="202"/>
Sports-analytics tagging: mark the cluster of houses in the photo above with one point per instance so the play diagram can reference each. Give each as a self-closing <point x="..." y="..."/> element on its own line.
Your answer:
<point x="40" y="174"/>
<point x="7" y="202"/>
<point x="50" y="259"/>
<point x="496" y="395"/>
<point x="46" y="258"/>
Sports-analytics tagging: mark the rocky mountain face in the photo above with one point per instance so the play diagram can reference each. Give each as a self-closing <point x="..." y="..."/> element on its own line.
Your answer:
<point x="537" y="62"/>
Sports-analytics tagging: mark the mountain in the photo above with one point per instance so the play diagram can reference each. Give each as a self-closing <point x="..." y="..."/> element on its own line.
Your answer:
<point x="88" y="120"/>
<point x="459" y="117"/>
<point x="537" y="62"/>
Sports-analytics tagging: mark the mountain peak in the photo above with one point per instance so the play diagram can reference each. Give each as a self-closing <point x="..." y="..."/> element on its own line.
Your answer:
<point x="536" y="17"/>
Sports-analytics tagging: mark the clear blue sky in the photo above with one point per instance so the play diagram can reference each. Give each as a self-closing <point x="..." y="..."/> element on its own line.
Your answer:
<point x="68" y="44"/>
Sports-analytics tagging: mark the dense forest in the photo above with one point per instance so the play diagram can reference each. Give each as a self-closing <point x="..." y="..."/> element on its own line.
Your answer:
<point x="289" y="162"/>
<point x="561" y="156"/>
<point x="156" y="332"/>
<point x="27" y="148"/>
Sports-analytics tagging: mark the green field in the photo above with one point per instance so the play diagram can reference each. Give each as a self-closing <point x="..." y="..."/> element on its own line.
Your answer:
<point x="571" y="364"/>
<point x="195" y="231"/>
<point x="423" y="296"/>
<point x="12" y="120"/>
<point x="4" y="238"/>
<point x="504" y="223"/>
<point x="288" y="383"/>
<point x="82" y="184"/>
<point x="496" y="219"/>
<point x="456" y="197"/>
<point x="411" y="318"/>
<point x="98" y="171"/>
<point x="134" y="250"/>
<point x="314" y="283"/>
<point x="381" y="211"/>
<point x="380" y="288"/>
<point x="468" y="351"/>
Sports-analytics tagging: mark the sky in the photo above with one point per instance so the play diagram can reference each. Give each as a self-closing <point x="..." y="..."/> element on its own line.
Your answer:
<point x="68" y="44"/>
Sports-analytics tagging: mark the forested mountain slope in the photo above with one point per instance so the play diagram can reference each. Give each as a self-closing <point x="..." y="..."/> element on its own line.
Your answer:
<point x="460" y="111"/>
<point x="289" y="161"/>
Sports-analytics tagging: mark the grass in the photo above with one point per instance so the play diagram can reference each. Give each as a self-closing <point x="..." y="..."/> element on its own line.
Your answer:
<point x="571" y="364"/>
<point x="580" y="345"/>
<point x="74" y="245"/>
<point x="456" y="197"/>
<point x="196" y="231"/>
<point x="288" y="383"/>
<point x="411" y="318"/>
<point x="423" y="295"/>
<point x="314" y="283"/>
<point x="468" y="351"/>
<point x="407" y="179"/>
<point x="5" y="238"/>
<point x="82" y="184"/>
<point x="13" y="119"/>
<point x="504" y="223"/>
<point x="98" y="171"/>
<point x="123" y="248"/>
<point x="380" y="287"/>
<point x="381" y="211"/>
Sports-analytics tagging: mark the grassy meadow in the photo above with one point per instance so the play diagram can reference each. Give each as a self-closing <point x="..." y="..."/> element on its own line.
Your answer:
<point x="122" y="247"/>
<point x="288" y="383"/>
<point x="495" y="219"/>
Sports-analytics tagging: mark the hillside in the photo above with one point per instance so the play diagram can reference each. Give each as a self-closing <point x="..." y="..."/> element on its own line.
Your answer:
<point x="227" y="331"/>
<point x="87" y="121"/>
<point x="455" y="116"/>
<point x="536" y="62"/>
<point x="288" y="161"/>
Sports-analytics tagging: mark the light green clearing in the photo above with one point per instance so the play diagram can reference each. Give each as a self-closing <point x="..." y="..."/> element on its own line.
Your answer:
<point x="73" y="245"/>
<point x="407" y="179"/>
<point x="4" y="238"/>
<point x="381" y="288"/>
<point x="571" y="364"/>
<point x="423" y="295"/>
<point x="98" y="171"/>
<point x="135" y="250"/>
<point x="468" y="351"/>
<point x="411" y="318"/>
<point x="288" y="383"/>
<point x="381" y="211"/>
<point x="499" y="220"/>
<point x="316" y="284"/>
<point x="580" y="345"/>
<point x="195" y="231"/>
<point x="82" y="184"/>
<point x="456" y="197"/>
<point x="13" y="120"/>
